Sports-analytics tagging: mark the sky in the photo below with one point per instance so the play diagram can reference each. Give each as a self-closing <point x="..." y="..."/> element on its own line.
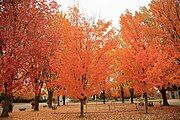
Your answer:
<point x="105" y="9"/>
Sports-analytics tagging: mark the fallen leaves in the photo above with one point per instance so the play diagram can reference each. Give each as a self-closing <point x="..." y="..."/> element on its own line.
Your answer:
<point x="97" y="111"/>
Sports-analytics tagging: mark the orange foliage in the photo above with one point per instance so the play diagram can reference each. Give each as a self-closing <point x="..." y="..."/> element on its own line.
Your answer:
<point x="148" y="58"/>
<point x="82" y="61"/>
<point x="83" y="55"/>
<point x="24" y="43"/>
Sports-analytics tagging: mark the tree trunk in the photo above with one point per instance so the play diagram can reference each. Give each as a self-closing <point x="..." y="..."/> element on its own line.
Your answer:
<point x="50" y="97"/>
<point x="146" y="102"/>
<point x="164" y="97"/>
<point x="5" y="107"/>
<point x="58" y="101"/>
<point x="6" y="103"/>
<point x="37" y="96"/>
<point x="104" y="97"/>
<point x="122" y="95"/>
<point x="64" y="99"/>
<point x="5" y="110"/>
<point x="82" y="108"/>
<point x="132" y="94"/>
<point x="1" y="51"/>
<point x="94" y="96"/>
<point x="36" y="103"/>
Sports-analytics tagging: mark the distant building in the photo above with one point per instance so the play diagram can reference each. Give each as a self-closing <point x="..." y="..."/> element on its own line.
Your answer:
<point x="174" y="92"/>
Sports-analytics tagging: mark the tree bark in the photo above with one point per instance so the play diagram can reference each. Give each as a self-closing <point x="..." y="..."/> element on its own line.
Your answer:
<point x="82" y="108"/>
<point x="58" y="101"/>
<point x="36" y="103"/>
<point x="5" y="109"/>
<point x="94" y="96"/>
<point x="146" y="102"/>
<point x="104" y="97"/>
<point x="122" y="95"/>
<point x="132" y="94"/>
<point x="164" y="97"/>
<point x="37" y="96"/>
<point x="5" y="106"/>
<point x="6" y="103"/>
<point x="50" y="97"/>
<point x="1" y="51"/>
<point x="64" y="99"/>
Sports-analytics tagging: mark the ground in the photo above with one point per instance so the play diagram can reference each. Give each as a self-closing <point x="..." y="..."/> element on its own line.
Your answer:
<point x="96" y="111"/>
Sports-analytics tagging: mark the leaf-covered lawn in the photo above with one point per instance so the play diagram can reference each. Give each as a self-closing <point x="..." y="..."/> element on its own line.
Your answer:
<point x="117" y="111"/>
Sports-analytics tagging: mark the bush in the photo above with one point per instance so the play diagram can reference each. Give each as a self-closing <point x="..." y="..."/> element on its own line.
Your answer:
<point x="21" y="100"/>
<point x="41" y="100"/>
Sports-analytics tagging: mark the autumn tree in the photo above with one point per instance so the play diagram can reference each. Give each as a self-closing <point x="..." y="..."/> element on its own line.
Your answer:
<point x="136" y="56"/>
<point x="50" y="85"/>
<point x="25" y="92"/>
<point x="23" y="28"/>
<point x="82" y="62"/>
<point x="152" y="36"/>
<point x="165" y="18"/>
<point x="59" y="24"/>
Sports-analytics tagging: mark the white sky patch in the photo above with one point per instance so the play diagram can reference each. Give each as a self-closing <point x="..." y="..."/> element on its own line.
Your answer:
<point x="105" y="9"/>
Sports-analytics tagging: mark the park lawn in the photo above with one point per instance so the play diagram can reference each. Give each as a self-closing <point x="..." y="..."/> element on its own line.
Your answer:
<point x="109" y="111"/>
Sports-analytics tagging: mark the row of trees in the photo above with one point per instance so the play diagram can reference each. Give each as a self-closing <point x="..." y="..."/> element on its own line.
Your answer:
<point x="149" y="55"/>
<point x="41" y="47"/>
<point x="25" y="46"/>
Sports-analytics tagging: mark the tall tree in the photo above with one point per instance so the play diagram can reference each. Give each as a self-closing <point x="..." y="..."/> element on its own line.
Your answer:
<point x="23" y="26"/>
<point x="82" y="62"/>
<point x="136" y="56"/>
<point x="153" y="36"/>
<point x="165" y="16"/>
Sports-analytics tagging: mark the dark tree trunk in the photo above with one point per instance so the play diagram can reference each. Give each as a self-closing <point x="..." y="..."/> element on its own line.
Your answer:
<point x="5" y="110"/>
<point x="37" y="96"/>
<point x="122" y="95"/>
<point x="50" y="97"/>
<point x="1" y="51"/>
<point x="64" y="99"/>
<point x="5" y="106"/>
<point x="132" y="94"/>
<point x="164" y="97"/>
<point x="36" y="103"/>
<point x="82" y="108"/>
<point x="94" y="96"/>
<point x="6" y="103"/>
<point x="104" y="97"/>
<point x="146" y="102"/>
<point x="58" y="101"/>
